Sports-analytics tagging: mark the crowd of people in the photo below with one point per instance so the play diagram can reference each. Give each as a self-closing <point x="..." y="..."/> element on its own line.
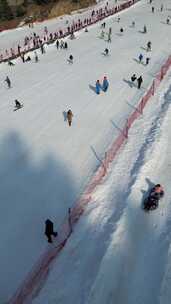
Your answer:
<point x="100" y="86"/>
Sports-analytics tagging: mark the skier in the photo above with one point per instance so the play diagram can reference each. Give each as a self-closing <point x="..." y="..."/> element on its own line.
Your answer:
<point x="86" y="30"/>
<point x="57" y="44"/>
<point x="161" y="8"/>
<point x="139" y="80"/>
<point x="105" y="84"/>
<point x="70" y="60"/>
<point x="69" y="117"/>
<point x="10" y="63"/>
<point x="168" y="20"/>
<point x="42" y="48"/>
<point x="49" y="230"/>
<point x="148" y="46"/>
<point x="106" y="52"/>
<point x="8" y="81"/>
<point x="145" y="29"/>
<point x="140" y="58"/>
<point x="62" y="44"/>
<point x="133" y="23"/>
<point x="36" y="57"/>
<point x="133" y="77"/>
<point x="109" y="38"/>
<point x="152" y="9"/>
<point x="102" y="34"/>
<point x="17" y="104"/>
<point x="65" y="45"/>
<point x="147" y="60"/>
<point x="98" y="87"/>
<point x="28" y="59"/>
<point x="121" y="30"/>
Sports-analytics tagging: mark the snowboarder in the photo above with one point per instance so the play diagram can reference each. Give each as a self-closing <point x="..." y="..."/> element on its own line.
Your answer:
<point x="8" y="81"/>
<point x="140" y="58"/>
<point x="105" y="84"/>
<point x="18" y="105"/>
<point x="86" y="30"/>
<point x="49" y="230"/>
<point x="147" y="60"/>
<point x="106" y="52"/>
<point x="69" y="117"/>
<point x="133" y="77"/>
<point x="70" y="60"/>
<point x="98" y="87"/>
<point x="148" y="46"/>
<point x="139" y="80"/>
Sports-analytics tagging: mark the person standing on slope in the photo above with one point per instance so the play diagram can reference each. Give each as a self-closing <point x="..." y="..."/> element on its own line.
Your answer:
<point x="105" y="84"/>
<point x="69" y="117"/>
<point x="139" y="80"/>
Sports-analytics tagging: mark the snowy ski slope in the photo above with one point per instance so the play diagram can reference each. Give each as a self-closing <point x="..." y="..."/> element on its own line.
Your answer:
<point x="45" y="165"/>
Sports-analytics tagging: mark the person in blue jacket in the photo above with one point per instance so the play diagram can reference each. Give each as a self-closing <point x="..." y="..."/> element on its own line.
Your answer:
<point x="98" y="87"/>
<point x="105" y="84"/>
<point x="140" y="58"/>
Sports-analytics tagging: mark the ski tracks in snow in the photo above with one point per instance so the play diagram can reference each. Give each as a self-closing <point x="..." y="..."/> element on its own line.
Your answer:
<point x="133" y="267"/>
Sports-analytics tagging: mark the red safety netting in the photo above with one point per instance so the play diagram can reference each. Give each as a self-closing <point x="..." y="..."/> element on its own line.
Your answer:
<point x="35" y="279"/>
<point x="34" y="42"/>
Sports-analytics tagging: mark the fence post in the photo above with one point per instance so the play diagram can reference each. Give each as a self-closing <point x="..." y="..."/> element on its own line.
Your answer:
<point x="141" y="106"/>
<point x="126" y="129"/>
<point x="162" y="73"/>
<point x="153" y="87"/>
<point x="69" y="220"/>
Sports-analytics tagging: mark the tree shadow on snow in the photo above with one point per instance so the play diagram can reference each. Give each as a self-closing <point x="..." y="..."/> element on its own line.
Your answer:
<point x="30" y="192"/>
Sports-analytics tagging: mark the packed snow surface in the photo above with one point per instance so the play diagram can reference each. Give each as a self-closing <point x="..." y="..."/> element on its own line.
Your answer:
<point x="117" y="253"/>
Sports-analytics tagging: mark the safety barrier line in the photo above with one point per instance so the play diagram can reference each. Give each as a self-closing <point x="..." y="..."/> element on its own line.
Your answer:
<point x="33" y="283"/>
<point x="10" y="55"/>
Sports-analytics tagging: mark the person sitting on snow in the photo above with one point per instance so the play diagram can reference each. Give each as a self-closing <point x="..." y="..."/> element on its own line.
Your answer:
<point x="106" y="51"/>
<point x="17" y="104"/>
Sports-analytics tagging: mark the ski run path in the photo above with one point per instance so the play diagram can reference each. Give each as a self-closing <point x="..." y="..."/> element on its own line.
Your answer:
<point x="117" y="253"/>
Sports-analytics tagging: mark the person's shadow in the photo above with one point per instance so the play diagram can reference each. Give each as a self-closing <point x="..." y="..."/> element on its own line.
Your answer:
<point x="129" y="82"/>
<point x="93" y="88"/>
<point x="64" y="115"/>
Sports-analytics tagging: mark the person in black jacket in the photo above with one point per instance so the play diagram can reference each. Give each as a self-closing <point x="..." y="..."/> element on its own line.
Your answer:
<point x="139" y="80"/>
<point x="49" y="230"/>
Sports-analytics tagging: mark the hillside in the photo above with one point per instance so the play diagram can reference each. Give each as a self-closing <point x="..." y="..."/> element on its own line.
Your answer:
<point x="12" y="13"/>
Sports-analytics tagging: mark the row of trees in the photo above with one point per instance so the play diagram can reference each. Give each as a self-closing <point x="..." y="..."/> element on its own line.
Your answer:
<point x="6" y="13"/>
